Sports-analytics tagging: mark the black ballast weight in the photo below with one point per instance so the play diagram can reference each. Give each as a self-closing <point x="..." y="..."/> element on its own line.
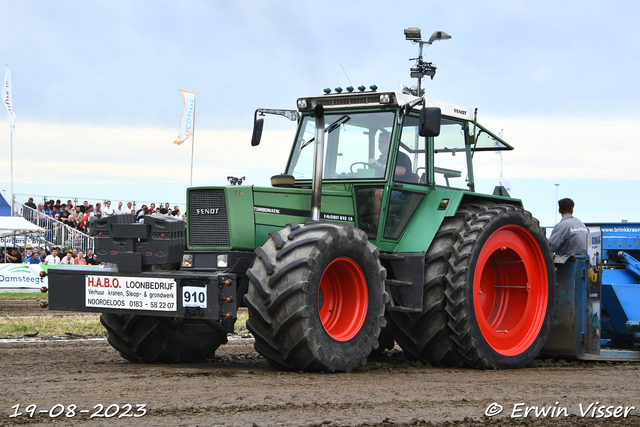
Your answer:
<point x="159" y="240"/>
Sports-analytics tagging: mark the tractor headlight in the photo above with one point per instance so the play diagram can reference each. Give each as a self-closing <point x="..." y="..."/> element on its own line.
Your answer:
<point x="187" y="261"/>
<point x="222" y="260"/>
<point x="385" y="98"/>
<point x="302" y="104"/>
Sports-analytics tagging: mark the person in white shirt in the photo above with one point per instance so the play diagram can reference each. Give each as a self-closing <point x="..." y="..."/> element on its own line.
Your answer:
<point x="108" y="210"/>
<point x="68" y="259"/>
<point x="53" y="258"/>
<point x="119" y="210"/>
<point x="129" y="209"/>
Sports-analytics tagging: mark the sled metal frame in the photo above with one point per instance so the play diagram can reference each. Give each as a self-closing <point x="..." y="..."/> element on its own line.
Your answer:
<point x="576" y="326"/>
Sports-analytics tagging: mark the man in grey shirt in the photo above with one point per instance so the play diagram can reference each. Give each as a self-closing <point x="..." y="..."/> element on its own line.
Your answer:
<point x="569" y="236"/>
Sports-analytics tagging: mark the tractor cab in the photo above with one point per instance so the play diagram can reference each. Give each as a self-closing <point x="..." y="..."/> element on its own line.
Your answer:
<point x="366" y="132"/>
<point x="375" y="149"/>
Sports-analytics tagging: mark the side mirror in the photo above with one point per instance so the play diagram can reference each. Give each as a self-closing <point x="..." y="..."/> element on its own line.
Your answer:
<point x="257" y="132"/>
<point x="430" y="121"/>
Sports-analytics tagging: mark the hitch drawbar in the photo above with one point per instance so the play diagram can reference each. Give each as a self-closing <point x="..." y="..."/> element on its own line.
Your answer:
<point x="156" y="293"/>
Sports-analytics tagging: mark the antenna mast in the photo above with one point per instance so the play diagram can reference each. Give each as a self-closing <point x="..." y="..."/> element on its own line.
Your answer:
<point x="421" y="68"/>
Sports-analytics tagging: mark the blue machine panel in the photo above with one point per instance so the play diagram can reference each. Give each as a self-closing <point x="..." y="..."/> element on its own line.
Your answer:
<point x="621" y="243"/>
<point x="621" y="303"/>
<point x="620" y="237"/>
<point x="618" y="277"/>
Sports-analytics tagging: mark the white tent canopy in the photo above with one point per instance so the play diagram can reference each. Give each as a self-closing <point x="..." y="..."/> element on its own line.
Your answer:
<point x="10" y="225"/>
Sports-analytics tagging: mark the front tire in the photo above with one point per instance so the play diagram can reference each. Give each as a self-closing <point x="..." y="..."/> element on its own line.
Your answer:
<point x="150" y="339"/>
<point x="500" y="288"/>
<point x="316" y="297"/>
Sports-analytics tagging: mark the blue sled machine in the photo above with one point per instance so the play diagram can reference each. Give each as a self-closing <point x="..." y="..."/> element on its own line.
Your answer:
<point x="597" y="312"/>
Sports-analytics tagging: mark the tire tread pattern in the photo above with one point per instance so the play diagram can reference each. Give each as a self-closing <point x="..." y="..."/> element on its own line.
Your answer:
<point x="150" y="339"/>
<point x="469" y="343"/>
<point x="427" y="335"/>
<point x="282" y="316"/>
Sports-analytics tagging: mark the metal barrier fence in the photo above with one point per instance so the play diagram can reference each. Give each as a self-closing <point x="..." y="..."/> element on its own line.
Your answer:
<point x="57" y="233"/>
<point x="21" y="199"/>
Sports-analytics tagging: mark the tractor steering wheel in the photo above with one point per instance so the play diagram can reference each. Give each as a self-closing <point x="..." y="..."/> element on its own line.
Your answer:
<point x="368" y="166"/>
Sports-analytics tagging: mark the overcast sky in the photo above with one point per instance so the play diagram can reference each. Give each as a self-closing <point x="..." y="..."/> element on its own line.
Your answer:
<point x="95" y="90"/>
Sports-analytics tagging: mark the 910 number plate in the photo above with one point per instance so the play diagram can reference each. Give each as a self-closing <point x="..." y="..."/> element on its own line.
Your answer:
<point x="194" y="296"/>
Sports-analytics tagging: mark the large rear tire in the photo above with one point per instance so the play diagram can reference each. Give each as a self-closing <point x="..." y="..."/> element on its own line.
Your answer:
<point x="426" y="336"/>
<point x="316" y="297"/>
<point x="500" y="288"/>
<point x="149" y="339"/>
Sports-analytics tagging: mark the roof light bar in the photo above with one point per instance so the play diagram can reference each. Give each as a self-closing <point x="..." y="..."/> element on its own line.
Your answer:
<point x="349" y="89"/>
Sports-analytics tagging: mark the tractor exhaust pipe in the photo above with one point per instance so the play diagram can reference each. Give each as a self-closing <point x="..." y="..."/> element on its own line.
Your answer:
<point x="318" y="157"/>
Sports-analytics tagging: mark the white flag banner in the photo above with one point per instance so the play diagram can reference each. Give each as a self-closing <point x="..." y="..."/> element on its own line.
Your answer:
<point x="6" y="98"/>
<point x="503" y="182"/>
<point x="187" y="118"/>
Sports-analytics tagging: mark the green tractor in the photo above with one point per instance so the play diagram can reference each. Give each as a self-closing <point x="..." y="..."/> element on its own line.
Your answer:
<point x="373" y="234"/>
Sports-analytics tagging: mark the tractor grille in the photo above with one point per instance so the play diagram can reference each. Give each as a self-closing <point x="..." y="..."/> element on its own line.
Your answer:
<point x="208" y="221"/>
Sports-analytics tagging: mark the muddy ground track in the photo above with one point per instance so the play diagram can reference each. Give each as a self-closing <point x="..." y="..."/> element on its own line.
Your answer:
<point x="238" y="388"/>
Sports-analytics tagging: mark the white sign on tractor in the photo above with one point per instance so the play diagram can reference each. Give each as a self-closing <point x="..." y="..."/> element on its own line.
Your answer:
<point x="134" y="293"/>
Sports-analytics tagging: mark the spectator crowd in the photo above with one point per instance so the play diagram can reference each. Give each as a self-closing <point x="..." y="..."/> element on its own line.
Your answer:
<point x="79" y="216"/>
<point x="57" y="256"/>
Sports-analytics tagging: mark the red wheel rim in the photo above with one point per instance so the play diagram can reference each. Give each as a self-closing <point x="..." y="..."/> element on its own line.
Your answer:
<point x="510" y="290"/>
<point x="343" y="299"/>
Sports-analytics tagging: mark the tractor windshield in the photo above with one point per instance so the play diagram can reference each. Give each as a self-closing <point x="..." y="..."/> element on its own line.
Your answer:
<point x="356" y="146"/>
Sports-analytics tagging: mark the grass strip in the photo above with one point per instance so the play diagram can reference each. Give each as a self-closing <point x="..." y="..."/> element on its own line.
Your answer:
<point x="23" y="295"/>
<point x="51" y="325"/>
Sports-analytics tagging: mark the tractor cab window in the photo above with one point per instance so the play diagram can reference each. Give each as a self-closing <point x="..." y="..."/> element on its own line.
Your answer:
<point x="411" y="160"/>
<point x="351" y="147"/>
<point x="485" y="140"/>
<point x="450" y="155"/>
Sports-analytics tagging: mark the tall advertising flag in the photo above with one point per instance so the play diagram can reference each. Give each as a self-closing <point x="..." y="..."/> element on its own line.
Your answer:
<point x="6" y="98"/>
<point x="187" y="118"/>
